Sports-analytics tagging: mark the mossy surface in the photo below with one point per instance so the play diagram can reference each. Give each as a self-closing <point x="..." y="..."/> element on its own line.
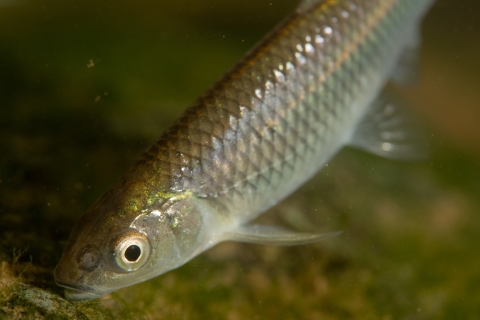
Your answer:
<point x="86" y="86"/>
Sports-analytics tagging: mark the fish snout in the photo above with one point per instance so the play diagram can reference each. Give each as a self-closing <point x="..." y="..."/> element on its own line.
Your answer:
<point x="70" y="277"/>
<point x="65" y="273"/>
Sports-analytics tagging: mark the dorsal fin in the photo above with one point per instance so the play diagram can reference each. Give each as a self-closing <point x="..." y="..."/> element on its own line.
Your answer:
<point x="306" y="5"/>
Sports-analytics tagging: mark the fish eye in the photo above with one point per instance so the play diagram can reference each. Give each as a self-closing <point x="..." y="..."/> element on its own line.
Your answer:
<point x="131" y="251"/>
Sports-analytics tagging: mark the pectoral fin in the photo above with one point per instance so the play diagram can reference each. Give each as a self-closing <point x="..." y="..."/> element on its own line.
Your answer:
<point x="407" y="69"/>
<point x="271" y="235"/>
<point x="388" y="130"/>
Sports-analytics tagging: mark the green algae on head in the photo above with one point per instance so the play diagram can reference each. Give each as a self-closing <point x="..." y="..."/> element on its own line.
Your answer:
<point x="308" y="89"/>
<point x="106" y="248"/>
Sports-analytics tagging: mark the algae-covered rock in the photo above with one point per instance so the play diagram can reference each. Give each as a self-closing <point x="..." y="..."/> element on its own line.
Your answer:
<point x="27" y="302"/>
<point x="19" y="300"/>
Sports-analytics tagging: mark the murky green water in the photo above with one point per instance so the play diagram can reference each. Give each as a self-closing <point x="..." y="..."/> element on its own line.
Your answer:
<point x="86" y="86"/>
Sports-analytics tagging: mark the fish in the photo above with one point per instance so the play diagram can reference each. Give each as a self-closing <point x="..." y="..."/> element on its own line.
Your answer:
<point x="314" y="84"/>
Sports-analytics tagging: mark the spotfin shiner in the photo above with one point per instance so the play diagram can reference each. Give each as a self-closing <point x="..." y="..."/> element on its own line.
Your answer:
<point x="312" y="86"/>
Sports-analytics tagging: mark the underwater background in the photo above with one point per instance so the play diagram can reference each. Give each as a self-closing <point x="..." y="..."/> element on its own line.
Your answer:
<point x="86" y="86"/>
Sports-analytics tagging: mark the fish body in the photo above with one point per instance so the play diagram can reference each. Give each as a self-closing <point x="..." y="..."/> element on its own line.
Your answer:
<point x="305" y="91"/>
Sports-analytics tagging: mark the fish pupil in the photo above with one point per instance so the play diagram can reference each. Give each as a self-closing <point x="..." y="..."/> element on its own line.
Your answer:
<point x="133" y="253"/>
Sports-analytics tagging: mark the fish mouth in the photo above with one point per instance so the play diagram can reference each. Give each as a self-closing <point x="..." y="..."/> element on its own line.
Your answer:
<point x="79" y="292"/>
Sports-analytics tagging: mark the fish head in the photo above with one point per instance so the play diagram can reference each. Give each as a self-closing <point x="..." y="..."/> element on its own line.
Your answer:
<point x="127" y="237"/>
